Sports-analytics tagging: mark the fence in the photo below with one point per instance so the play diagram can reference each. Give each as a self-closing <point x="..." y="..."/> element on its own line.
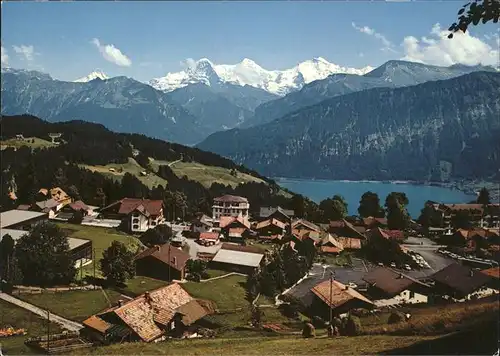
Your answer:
<point x="58" y="343"/>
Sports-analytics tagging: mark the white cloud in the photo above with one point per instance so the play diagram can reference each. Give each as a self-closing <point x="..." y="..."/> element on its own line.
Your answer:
<point x="437" y="49"/>
<point x="188" y="63"/>
<point x="388" y="46"/>
<point x="112" y="54"/>
<point x="25" y="52"/>
<point x="5" y="57"/>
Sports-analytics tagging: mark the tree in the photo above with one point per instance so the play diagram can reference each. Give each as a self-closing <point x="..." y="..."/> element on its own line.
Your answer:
<point x="196" y="269"/>
<point x="256" y="316"/>
<point x="43" y="256"/>
<point x="298" y="205"/>
<point x="160" y="235"/>
<point x="180" y="202"/>
<point x="307" y="249"/>
<point x="6" y="254"/>
<point x="77" y="217"/>
<point x="461" y="220"/>
<point x="117" y="263"/>
<point x="333" y="208"/>
<point x="430" y="216"/>
<point x="59" y="179"/>
<point x="74" y="193"/>
<point x="474" y="12"/>
<point x="483" y="197"/>
<point x="397" y="215"/>
<point x="369" y="205"/>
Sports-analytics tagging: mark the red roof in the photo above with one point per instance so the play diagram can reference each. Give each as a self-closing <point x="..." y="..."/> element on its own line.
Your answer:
<point x="330" y="249"/>
<point x="128" y="205"/>
<point x="228" y="220"/>
<point x="167" y="254"/>
<point x="492" y="272"/>
<point x="209" y="236"/>
<point x="78" y="205"/>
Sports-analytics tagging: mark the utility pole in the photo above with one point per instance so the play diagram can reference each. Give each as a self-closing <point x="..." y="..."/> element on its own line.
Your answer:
<point x="169" y="267"/>
<point x="331" y="297"/>
<point x="93" y="264"/>
<point x="48" y="331"/>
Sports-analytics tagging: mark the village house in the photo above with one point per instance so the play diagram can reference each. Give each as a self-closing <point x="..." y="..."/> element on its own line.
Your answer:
<point x="78" y="206"/>
<point x="392" y="287"/>
<point x="330" y="245"/>
<point x="163" y="262"/>
<point x="278" y="213"/>
<point x="299" y="236"/>
<point x="336" y="296"/>
<point x="378" y="232"/>
<point x="235" y="228"/>
<point x="302" y="224"/>
<point x="372" y="222"/>
<point x="474" y="238"/>
<point x="345" y="232"/>
<point x="137" y="215"/>
<point x="202" y="223"/>
<point x="235" y="258"/>
<point x="461" y="283"/>
<point x="270" y="229"/>
<point x="57" y="194"/>
<point x="208" y="238"/>
<point x="487" y="216"/>
<point x="230" y="205"/>
<point x="49" y="206"/>
<point x="167" y="311"/>
<point x="494" y="273"/>
<point x="21" y="219"/>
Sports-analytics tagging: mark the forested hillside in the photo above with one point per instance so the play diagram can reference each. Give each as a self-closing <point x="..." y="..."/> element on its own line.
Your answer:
<point x="25" y="170"/>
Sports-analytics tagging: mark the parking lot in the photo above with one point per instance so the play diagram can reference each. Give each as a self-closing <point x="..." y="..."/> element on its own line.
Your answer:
<point x="355" y="274"/>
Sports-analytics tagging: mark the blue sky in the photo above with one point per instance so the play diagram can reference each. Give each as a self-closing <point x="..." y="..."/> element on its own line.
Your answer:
<point x="150" y="39"/>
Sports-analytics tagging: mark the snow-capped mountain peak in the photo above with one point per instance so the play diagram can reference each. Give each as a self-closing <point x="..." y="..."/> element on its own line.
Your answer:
<point x="97" y="74"/>
<point x="247" y="72"/>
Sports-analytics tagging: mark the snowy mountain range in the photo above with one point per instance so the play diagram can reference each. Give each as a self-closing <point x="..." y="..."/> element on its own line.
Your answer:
<point x="97" y="74"/>
<point x="247" y="72"/>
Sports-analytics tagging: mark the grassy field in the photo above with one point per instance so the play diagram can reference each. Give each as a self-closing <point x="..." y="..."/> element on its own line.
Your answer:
<point x="228" y="293"/>
<point x="215" y="273"/>
<point x="207" y="175"/>
<point x="140" y="284"/>
<point x="37" y="143"/>
<point x="20" y="318"/>
<point x="266" y="346"/>
<point x="432" y="320"/>
<point x="132" y="167"/>
<point x="343" y="258"/>
<point x="101" y="239"/>
<point x="74" y="305"/>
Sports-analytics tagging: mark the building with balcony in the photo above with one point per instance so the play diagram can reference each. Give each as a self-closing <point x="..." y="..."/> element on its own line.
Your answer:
<point x="137" y="215"/>
<point x="230" y="205"/>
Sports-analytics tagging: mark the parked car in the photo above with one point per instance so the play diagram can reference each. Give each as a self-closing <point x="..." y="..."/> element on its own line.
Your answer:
<point x="380" y="264"/>
<point x="393" y="265"/>
<point x="352" y="285"/>
<point x="407" y="267"/>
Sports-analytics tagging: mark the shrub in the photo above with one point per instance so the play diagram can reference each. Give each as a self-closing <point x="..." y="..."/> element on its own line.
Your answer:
<point x="396" y="317"/>
<point x="353" y="326"/>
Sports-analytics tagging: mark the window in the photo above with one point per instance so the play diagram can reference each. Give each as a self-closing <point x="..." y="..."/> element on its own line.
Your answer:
<point x="153" y="223"/>
<point x="412" y="295"/>
<point x="135" y="221"/>
<point x="135" y="226"/>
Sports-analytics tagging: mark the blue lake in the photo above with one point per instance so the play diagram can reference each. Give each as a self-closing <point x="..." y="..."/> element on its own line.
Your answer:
<point x="318" y="190"/>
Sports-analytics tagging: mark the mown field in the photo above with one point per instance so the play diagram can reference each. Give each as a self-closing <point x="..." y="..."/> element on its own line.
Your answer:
<point x="206" y="175"/>
<point x="33" y="142"/>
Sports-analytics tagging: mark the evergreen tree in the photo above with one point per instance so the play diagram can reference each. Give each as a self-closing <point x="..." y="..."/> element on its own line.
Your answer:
<point x="160" y="235"/>
<point x="369" y="205"/>
<point x="483" y="197"/>
<point x="334" y="208"/>
<point x="397" y="215"/>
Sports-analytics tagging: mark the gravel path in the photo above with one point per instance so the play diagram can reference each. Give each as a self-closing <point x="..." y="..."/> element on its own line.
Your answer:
<point x="65" y="323"/>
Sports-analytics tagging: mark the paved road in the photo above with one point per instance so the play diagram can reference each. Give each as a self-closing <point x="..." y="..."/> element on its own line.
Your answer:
<point x="65" y="323"/>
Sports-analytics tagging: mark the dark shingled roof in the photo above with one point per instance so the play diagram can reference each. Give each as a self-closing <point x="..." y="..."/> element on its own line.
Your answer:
<point x="461" y="278"/>
<point x="390" y="281"/>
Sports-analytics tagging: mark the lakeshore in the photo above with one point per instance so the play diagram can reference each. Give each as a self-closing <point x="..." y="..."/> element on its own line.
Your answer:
<point x="418" y="192"/>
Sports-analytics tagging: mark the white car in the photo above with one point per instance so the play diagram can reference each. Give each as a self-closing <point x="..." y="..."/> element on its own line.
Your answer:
<point x="393" y="265"/>
<point x="352" y="285"/>
<point x="407" y="267"/>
